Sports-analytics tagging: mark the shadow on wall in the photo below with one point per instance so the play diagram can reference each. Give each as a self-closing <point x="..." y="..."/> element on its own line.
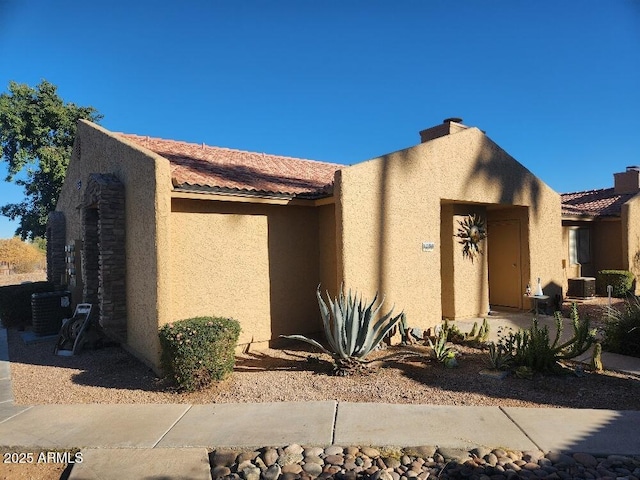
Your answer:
<point x="514" y="185"/>
<point x="382" y="233"/>
<point x="506" y="174"/>
<point x="554" y="291"/>
<point x="293" y="271"/>
<point x="484" y="286"/>
<point x="401" y="161"/>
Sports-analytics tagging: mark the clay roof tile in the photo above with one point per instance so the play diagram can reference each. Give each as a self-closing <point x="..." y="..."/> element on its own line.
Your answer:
<point x="223" y="169"/>
<point x="594" y="203"/>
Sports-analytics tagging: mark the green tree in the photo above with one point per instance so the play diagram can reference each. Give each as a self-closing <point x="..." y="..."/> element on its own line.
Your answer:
<point x="37" y="129"/>
<point x="40" y="243"/>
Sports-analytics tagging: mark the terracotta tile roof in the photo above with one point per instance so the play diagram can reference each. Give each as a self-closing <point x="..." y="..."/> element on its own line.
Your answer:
<point x="594" y="203"/>
<point x="201" y="167"/>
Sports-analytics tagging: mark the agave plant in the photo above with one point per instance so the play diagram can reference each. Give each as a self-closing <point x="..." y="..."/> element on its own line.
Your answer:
<point x="500" y="357"/>
<point x="351" y="329"/>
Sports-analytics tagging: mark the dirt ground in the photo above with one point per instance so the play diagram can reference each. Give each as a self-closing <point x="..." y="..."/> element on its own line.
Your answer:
<point x="17" y="278"/>
<point x="21" y="464"/>
<point x="298" y="373"/>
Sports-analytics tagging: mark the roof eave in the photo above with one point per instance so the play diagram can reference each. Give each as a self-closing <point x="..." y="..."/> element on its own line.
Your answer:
<point x="587" y="217"/>
<point x="221" y="193"/>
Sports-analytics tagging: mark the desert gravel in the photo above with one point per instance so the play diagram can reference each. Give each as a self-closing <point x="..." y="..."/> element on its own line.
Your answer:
<point x="295" y="373"/>
<point x="400" y="375"/>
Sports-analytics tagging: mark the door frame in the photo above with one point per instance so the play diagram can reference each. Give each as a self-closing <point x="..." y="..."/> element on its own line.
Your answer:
<point x="517" y="298"/>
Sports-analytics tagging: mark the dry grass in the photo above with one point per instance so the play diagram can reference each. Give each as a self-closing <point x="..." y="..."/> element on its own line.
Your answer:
<point x="17" y="278"/>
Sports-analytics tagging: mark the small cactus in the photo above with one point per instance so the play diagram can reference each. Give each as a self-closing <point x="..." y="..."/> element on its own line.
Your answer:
<point x="596" y="359"/>
<point x="535" y="349"/>
<point x="441" y="351"/>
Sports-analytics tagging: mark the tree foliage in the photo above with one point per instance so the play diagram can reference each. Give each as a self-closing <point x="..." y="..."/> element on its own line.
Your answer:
<point x="37" y="129"/>
<point x="22" y="257"/>
<point x="40" y="243"/>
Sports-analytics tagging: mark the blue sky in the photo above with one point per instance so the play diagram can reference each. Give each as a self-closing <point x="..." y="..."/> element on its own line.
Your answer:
<point x="556" y="84"/>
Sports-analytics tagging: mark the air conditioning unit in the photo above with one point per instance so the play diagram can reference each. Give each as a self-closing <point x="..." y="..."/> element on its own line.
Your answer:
<point x="582" y="287"/>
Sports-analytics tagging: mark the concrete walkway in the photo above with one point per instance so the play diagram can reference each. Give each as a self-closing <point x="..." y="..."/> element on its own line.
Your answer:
<point x="171" y="441"/>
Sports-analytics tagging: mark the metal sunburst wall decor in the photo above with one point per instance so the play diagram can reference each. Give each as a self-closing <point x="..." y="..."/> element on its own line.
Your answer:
<point x="471" y="231"/>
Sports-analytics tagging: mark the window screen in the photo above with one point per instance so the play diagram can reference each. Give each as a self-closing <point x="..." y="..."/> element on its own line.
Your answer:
<point x="579" y="246"/>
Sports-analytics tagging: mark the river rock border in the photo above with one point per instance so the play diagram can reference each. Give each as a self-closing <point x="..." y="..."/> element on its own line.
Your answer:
<point x="295" y="462"/>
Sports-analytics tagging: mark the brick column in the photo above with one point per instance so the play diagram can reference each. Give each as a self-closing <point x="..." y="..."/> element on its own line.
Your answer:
<point x="104" y="250"/>
<point x="90" y="253"/>
<point x="56" y="237"/>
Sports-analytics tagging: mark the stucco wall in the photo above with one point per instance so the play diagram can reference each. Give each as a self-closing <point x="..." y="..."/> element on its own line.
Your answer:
<point x="447" y="245"/>
<point x="606" y="246"/>
<point x="464" y="283"/>
<point x="147" y="183"/>
<point x="631" y="238"/>
<point x="255" y="263"/>
<point x="328" y="266"/>
<point x="220" y="267"/>
<point x="387" y="207"/>
<point x="385" y="215"/>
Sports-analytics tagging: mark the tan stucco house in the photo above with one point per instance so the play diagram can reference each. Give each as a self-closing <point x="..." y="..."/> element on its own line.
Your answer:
<point x="153" y="231"/>
<point x="601" y="228"/>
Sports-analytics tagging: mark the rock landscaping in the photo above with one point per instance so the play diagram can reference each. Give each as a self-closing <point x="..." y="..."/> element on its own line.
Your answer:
<point x="387" y="463"/>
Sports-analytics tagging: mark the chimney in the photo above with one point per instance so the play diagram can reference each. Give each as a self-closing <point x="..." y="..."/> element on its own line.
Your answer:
<point x="627" y="182"/>
<point x="447" y="127"/>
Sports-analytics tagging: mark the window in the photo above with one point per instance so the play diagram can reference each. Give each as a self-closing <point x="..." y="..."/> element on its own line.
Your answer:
<point x="579" y="246"/>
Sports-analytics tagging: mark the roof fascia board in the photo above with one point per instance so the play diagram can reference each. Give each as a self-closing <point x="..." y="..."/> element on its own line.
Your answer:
<point x="588" y="218"/>
<point x="226" y="197"/>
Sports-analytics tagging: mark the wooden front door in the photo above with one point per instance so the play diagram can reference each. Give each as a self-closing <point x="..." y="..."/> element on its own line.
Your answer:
<point x="505" y="277"/>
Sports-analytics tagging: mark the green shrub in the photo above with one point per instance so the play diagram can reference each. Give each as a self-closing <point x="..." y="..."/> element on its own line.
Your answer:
<point x="15" y="302"/>
<point x="622" y="330"/>
<point x="621" y="280"/>
<point x="197" y="351"/>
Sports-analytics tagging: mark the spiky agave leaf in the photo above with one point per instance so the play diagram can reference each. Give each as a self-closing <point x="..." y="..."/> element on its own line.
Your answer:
<point x="365" y="318"/>
<point x="350" y="326"/>
<point x="380" y="329"/>
<point x="308" y="340"/>
<point x="325" y="312"/>
<point x="354" y="324"/>
<point x="334" y="330"/>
